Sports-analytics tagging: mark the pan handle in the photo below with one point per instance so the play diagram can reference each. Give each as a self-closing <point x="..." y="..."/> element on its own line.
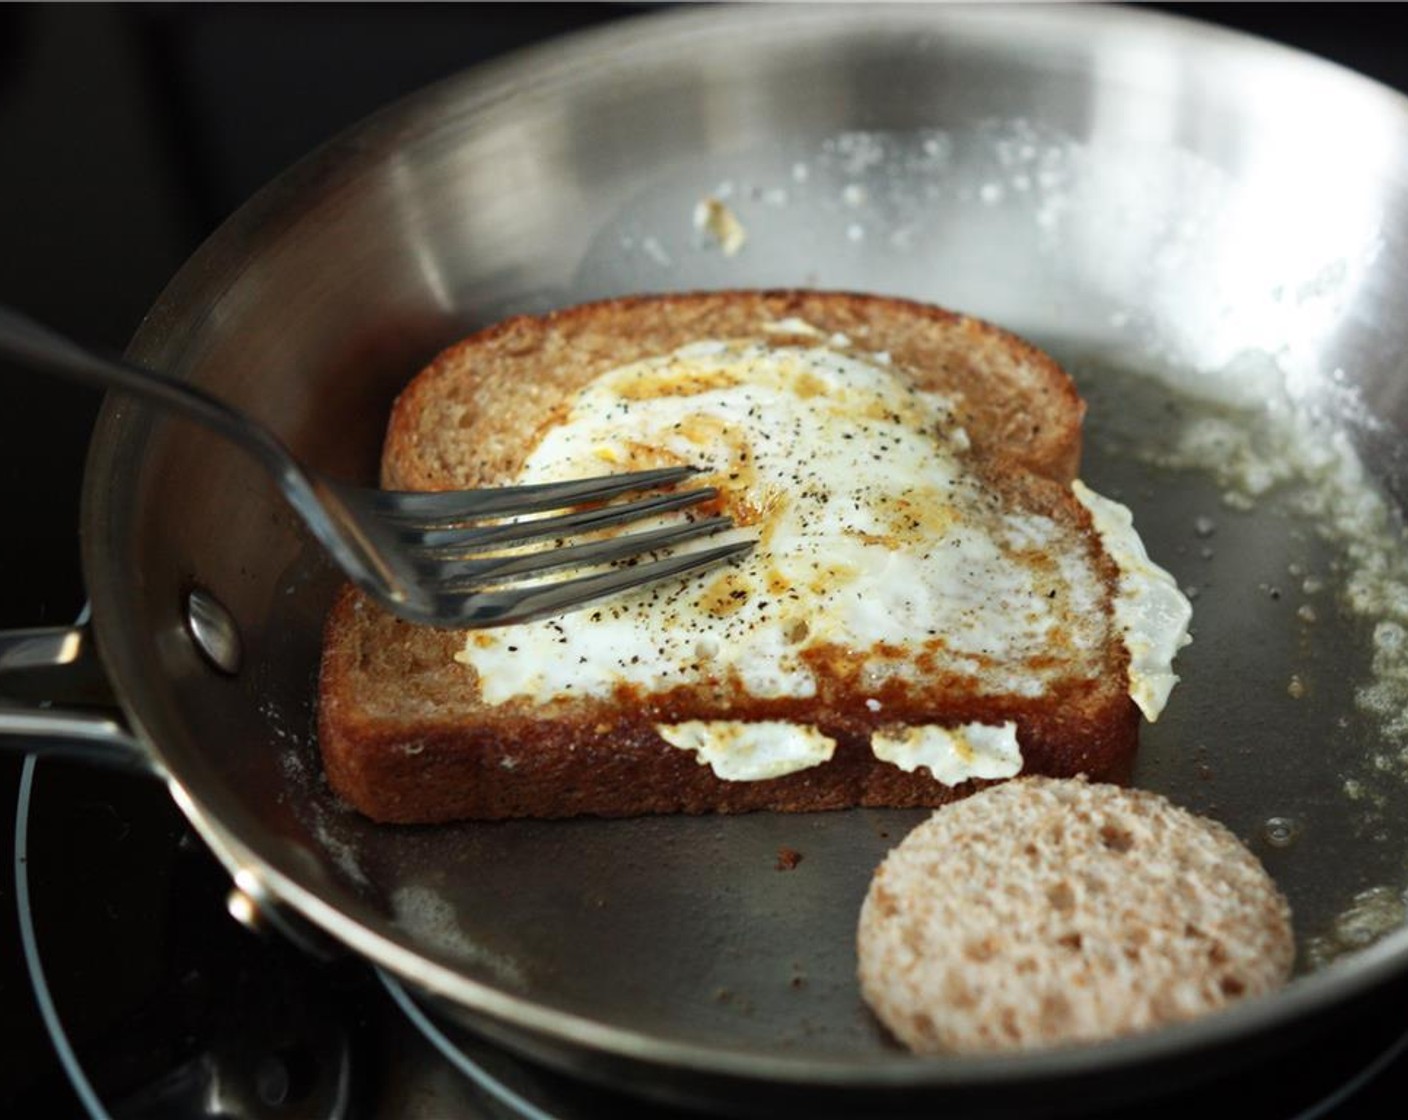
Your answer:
<point x="55" y="700"/>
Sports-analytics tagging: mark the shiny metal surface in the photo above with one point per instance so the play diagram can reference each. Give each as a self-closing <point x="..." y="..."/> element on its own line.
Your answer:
<point x="214" y="631"/>
<point x="55" y="700"/>
<point x="40" y="648"/>
<point x="1145" y="197"/>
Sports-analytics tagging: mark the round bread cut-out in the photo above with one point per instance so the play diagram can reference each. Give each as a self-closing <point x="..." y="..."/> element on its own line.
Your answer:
<point x="1046" y="912"/>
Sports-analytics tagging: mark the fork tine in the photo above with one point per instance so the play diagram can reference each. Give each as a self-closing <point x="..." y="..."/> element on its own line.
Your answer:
<point x="450" y="506"/>
<point x="503" y="606"/>
<point x="462" y="575"/>
<point x="446" y="544"/>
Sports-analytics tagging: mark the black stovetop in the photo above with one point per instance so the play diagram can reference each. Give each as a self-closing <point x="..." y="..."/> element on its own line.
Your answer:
<point x="128" y="132"/>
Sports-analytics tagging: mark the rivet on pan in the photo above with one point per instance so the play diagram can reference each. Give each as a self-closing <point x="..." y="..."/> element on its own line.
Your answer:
<point x="1281" y="832"/>
<point x="213" y="630"/>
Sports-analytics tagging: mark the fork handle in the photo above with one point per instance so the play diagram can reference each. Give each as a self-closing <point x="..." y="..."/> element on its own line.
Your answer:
<point x="316" y="501"/>
<point x="39" y="346"/>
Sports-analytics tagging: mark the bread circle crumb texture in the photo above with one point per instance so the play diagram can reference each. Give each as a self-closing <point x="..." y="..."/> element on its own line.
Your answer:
<point x="1054" y="911"/>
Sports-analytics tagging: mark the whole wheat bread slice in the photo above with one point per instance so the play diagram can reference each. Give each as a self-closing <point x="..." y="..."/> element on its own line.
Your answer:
<point x="404" y="733"/>
<point x="1051" y="912"/>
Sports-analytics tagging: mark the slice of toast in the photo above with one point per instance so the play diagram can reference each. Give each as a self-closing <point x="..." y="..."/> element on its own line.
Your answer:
<point x="410" y="732"/>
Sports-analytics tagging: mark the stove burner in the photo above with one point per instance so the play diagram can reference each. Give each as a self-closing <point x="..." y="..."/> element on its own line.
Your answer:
<point x="537" y="1094"/>
<point x="222" y="1023"/>
<point x="243" y="1031"/>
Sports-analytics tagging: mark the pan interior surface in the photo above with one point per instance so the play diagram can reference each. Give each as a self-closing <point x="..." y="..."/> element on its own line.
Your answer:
<point x="1208" y="232"/>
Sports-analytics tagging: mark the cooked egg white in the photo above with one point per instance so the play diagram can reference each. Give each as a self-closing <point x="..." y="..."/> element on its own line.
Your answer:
<point x="952" y="754"/>
<point x="1151" y="612"/>
<point x="875" y="544"/>
<point x="712" y="216"/>
<point x="751" y="751"/>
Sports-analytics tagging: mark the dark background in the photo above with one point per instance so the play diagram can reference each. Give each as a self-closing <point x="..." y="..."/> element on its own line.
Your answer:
<point x="127" y="133"/>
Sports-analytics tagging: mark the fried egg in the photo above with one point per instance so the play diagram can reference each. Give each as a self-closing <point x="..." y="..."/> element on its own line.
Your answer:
<point x="879" y="549"/>
<point x="1152" y="613"/>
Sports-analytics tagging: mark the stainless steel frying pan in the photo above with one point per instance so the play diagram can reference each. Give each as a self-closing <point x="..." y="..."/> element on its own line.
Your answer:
<point x="1211" y="232"/>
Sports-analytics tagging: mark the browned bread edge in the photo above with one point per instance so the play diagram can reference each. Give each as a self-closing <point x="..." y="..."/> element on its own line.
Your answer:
<point x="543" y="358"/>
<point x="433" y="769"/>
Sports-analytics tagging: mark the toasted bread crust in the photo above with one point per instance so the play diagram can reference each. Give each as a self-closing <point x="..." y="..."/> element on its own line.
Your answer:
<point x="1020" y="408"/>
<point x="403" y="733"/>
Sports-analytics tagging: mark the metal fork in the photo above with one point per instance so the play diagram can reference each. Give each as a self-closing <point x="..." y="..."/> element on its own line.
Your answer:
<point x="423" y="554"/>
